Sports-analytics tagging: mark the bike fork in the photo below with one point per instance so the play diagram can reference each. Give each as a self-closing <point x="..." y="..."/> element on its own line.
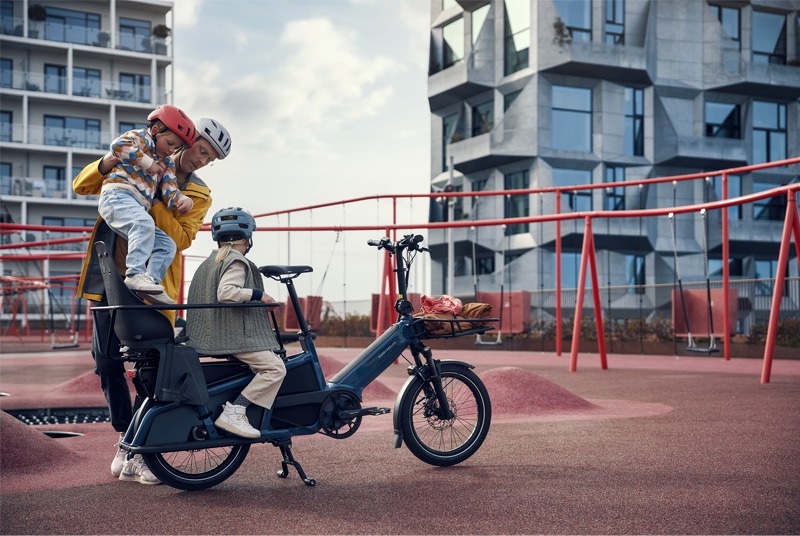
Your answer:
<point x="418" y="349"/>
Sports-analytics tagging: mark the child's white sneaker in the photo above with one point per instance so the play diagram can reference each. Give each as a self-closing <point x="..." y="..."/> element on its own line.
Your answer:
<point x="143" y="283"/>
<point x="234" y="420"/>
<point x="119" y="459"/>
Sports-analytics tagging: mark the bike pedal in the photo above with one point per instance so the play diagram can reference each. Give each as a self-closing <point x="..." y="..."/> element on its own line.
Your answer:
<point x="376" y="411"/>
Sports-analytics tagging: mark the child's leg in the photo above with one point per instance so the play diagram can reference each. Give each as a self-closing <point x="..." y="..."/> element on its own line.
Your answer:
<point x="164" y="250"/>
<point x="128" y="218"/>
<point x="269" y="370"/>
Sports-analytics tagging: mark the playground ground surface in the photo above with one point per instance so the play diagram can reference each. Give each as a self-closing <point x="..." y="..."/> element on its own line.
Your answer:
<point x="653" y="445"/>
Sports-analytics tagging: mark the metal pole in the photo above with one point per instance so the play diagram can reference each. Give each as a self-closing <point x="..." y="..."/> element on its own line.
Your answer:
<point x="451" y="255"/>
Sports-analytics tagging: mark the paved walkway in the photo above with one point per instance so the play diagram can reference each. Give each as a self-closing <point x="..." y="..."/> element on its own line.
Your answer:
<point x="693" y="445"/>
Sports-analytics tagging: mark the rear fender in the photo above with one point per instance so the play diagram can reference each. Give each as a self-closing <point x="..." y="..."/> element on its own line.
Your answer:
<point x="424" y="373"/>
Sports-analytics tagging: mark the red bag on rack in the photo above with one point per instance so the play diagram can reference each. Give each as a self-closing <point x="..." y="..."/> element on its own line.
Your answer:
<point x="442" y="304"/>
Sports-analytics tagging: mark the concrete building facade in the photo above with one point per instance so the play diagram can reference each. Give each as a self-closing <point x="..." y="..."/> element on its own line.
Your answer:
<point x="74" y="76"/>
<point x="542" y="93"/>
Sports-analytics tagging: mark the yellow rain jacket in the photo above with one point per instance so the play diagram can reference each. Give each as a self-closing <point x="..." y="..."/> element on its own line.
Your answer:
<point x="182" y="228"/>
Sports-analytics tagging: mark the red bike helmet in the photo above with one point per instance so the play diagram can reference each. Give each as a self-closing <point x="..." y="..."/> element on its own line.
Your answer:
<point x="175" y="120"/>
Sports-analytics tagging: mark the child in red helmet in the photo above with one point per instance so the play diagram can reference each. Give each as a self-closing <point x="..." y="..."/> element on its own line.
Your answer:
<point x="144" y="176"/>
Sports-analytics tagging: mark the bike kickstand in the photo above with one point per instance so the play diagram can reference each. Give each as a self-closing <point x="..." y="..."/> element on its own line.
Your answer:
<point x="288" y="459"/>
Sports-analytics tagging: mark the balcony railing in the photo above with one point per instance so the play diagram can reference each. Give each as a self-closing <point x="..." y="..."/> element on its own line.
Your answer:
<point x="80" y="35"/>
<point x="58" y="85"/>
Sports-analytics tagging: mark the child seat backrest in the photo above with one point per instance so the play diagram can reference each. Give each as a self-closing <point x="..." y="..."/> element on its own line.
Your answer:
<point x="136" y="328"/>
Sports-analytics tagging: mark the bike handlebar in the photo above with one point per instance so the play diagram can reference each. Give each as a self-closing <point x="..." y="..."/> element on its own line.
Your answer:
<point x="410" y="242"/>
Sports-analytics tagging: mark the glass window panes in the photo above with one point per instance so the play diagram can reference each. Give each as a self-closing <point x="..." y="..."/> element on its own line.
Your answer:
<point x="729" y="18"/>
<point x="769" y="131"/>
<point x="6" y="72"/>
<point x="614" y="196"/>
<point x="580" y="200"/>
<point x="734" y="190"/>
<point x="570" y="270"/>
<point x="615" y="22"/>
<point x="769" y="37"/>
<point x="71" y="26"/>
<point x="135" y="87"/>
<point x="634" y="121"/>
<point x="572" y="118"/>
<point x="5" y="125"/>
<point x="517" y="35"/>
<point x="86" y="82"/>
<point x="449" y="124"/>
<point x="55" y="79"/>
<point x="134" y="35"/>
<point x="577" y="16"/>
<point x="5" y="178"/>
<point x="482" y="118"/>
<point x="453" y="35"/>
<point x="770" y="208"/>
<point x="722" y="120"/>
<point x="634" y="274"/>
<point x="516" y="206"/>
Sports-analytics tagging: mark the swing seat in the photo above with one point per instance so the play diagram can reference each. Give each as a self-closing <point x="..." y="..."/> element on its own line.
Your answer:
<point x="697" y="350"/>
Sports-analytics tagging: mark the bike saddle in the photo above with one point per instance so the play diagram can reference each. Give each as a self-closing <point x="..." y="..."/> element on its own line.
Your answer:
<point x="279" y="270"/>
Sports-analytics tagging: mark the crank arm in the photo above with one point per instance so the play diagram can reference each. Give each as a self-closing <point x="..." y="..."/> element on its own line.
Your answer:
<point x="353" y="413"/>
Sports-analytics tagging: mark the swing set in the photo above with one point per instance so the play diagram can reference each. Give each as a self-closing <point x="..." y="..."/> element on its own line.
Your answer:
<point x="691" y="344"/>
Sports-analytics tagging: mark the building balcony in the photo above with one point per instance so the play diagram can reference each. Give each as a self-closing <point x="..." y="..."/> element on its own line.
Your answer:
<point x="458" y="82"/>
<point x="95" y="89"/>
<point x="627" y="64"/>
<point x="701" y="152"/>
<point x="758" y="79"/>
<point x="498" y="147"/>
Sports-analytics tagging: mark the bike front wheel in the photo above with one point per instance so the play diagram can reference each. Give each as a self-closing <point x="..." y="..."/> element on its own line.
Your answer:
<point x="197" y="469"/>
<point x="439" y="441"/>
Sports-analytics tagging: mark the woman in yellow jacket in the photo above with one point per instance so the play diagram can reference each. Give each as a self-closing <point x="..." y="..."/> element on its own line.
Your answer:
<point x="213" y="143"/>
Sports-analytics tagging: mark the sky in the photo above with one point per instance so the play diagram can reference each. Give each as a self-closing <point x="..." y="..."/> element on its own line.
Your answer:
<point x="325" y="100"/>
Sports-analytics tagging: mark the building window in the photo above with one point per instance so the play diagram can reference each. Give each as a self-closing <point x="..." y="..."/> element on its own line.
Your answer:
<point x="769" y="132"/>
<point x="55" y="179"/>
<point x="517" y="35"/>
<point x="134" y="35"/>
<point x="579" y="200"/>
<point x="5" y="178"/>
<point x="135" y="87"/>
<point x="615" y="22"/>
<point x="734" y="190"/>
<point x="570" y="270"/>
<point x="572" y="118"/>
<point x="770" y="208"/>
<point x="125" y="126"/>
<point x="6" y="72"/>
<point x="449" y="124"/>
<point x="577" y="16"/>
<point x="614" y="195"/>
<point x="634" y="121"/>
<point x="729" y="18"/>
<point x="769" y="37"/>
<point x="54" y="222"/>
<point x="484" y="264"/>
<point x="453" y="36"/>
<point x="86" y="82"/>
<point x="765" y="271"/>
<point x="482" y="118"/>
<point x="72" y="132"/>
<point x="7" y="18"/>
<point x="634" y="274"/>
<point x="516" y="206"/>
<point x="6" y="119"/>
<point x="55" y="79"/>
<point x="722" y="120"/>
<point x="715" y="268"/>
<point x="70" y="26"/>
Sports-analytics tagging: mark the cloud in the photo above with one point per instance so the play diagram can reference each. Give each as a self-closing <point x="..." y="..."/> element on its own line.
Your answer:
<point x="187" y="12"/>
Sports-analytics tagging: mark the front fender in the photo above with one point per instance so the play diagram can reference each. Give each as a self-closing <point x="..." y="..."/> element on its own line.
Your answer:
<point x="425" y="374"/>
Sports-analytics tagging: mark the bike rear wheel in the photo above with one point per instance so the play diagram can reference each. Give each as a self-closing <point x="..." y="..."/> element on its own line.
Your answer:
<point x="440" y="441"/>
<point x="197" y="469"/>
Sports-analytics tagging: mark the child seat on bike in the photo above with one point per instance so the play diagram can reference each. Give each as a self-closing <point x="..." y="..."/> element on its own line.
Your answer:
<point x="148" y="334"/>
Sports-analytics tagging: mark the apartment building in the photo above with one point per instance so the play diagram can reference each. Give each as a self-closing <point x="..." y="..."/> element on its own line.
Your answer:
<point x="543" y="93"/>
<point x="73" y="76"/>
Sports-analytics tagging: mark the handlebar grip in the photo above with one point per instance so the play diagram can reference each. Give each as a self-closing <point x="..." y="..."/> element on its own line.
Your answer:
<point x="372" y="242"/>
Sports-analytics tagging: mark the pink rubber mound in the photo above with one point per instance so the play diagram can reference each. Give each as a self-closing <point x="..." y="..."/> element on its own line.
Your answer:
<point x="24" y="446"/>
<point x="514" y="391"/>
<point x="86" y="383"/>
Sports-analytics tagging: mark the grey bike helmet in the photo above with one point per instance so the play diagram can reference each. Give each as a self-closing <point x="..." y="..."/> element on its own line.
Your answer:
<point x="217" y="135"/>
<point x="233" y="223"/>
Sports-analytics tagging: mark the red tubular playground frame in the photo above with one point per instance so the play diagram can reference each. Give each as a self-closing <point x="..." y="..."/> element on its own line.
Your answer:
<point x="588" y="257"/>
